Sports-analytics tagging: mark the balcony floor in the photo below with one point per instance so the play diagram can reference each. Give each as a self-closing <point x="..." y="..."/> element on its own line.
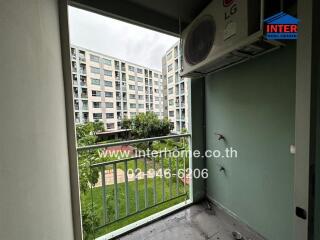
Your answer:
<point x="195" y="223"/>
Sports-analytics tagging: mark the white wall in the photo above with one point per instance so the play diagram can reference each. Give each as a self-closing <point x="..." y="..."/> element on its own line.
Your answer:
<point x="35" y="201"/>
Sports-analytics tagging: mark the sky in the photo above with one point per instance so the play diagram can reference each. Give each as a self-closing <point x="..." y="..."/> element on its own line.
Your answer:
<point x="118" y="39"/>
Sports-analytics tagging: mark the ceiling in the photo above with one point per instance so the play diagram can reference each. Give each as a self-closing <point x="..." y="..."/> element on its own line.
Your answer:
<point x="160" y="15"/>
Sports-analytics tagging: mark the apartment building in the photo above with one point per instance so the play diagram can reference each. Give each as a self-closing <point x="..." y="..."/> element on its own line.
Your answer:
<point x="108" y="89"/>
<point x="176" y="94"/>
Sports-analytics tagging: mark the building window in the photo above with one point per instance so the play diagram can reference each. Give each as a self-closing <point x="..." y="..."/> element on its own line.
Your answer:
<point x="156" y="75"/>
<point x="108" y="94"/>
<point x="140" y="88"/>
<point x="133" y="105"/>
<point x="132" y="78"/>
<point x="132" y="96"/>
<point x="109" y="104"/>
<point x="95" y="70"/>
<point x="96" y="104"/>
<point x="133" y="114"/>
<point x="108" y="83"/>
<point x="139" y="70"/>
<point x="107" y="61"/>
<point x="95" y="93"/>
<point x="110" y="125"/>
<point x="107" y="73"/>
<point x="94" y="58"/>
<point x="132" y="87"/>
<point x="131" y="68"/>
<point x="140" y="97"/>
<point x="171" y="102"/>
<point x="157" y="106"/>
<point x="141" y="106"/>
<point x="169" y="55"/>
<point x="139" y="79"/>
<point x="95" y="81"/>
<point x="170" y="67"/>
<point x="109" y="115"/>
<point x="170" y="79"/>
<point x="170" y="90"/>
<point x="97" y="116"/>
<point x="171" y="113"/>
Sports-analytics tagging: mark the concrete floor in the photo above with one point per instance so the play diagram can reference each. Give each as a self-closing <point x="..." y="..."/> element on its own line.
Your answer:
<point x="195" y="223"/>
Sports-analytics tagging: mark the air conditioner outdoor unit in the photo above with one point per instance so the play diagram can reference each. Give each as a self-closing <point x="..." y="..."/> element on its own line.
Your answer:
<point x="227" y="32"/>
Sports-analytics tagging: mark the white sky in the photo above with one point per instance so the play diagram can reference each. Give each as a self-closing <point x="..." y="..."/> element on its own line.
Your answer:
<point x="118" y="39"/>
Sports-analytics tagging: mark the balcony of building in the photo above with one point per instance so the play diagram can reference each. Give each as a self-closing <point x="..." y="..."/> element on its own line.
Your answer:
<point x="123" y="67"/>
<point x="82" y="69"/>
<point x="84" y="93"/>
<point x="83" y="81"/>
<point x="82" y="56"/>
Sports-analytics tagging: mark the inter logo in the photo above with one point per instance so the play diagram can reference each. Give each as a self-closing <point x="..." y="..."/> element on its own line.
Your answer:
<point x="281" y="26"/>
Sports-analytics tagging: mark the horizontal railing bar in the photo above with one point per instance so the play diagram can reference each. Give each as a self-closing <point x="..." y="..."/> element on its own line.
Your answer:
<point x="140" y="211"/>
<point x="135" y="157"/>
<point x="132" y="142"/>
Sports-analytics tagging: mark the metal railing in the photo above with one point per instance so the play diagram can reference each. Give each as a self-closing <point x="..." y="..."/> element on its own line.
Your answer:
<point x="141" y="189"/>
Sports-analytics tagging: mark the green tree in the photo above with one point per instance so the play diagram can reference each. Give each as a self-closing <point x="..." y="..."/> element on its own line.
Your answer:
<point x="147" y="125"/>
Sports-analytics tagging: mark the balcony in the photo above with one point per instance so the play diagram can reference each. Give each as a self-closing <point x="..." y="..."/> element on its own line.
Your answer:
<point x="137" y="185"/>
<point x="84" y="95"/>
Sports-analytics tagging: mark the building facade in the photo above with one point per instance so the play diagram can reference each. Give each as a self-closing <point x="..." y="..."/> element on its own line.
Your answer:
<point x="108" y="89"/>
<point x="176" y="89"/>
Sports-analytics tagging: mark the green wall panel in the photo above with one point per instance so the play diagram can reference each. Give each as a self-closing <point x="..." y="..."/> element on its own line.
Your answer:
<point x="252" y="105"/>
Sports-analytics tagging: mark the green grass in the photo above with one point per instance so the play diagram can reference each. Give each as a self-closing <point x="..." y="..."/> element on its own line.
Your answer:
<point x="97" y="196"/>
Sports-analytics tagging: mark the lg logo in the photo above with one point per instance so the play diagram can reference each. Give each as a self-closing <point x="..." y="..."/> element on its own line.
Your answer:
<point x="227" y="3"/>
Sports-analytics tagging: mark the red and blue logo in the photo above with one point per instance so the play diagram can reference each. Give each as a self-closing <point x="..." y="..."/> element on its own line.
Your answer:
<point x="281" y="26"/>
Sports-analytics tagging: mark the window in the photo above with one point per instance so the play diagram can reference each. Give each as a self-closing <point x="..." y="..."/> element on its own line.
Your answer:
<point x="110" y="125"/>
<point x="139" y="79"/>
<point x="109" y="115"/>
<point x="157" y="106"/>
<point x="139" y="70"/>
<point x="107" y="61"/>
<point x="95" y="81"/>
<point x="107" y="73"/>
<point x="131" y="68"/>
<point x="133" y="114"/>
<point x="170" y="79"/>
<point x="133" y="105"/>
<point x="156" y="82"/>
<point x="108" y="94"/>
<point x="132" y="78"/>
<point x="94" y="58"/>
<point x="96" y="104"/>
<point x="140" y="97"/>
<point x="171" y="113"/>
<point x="170" y="67"/>
<point x="169" y="55"/>
<point x="95" y="93"/>
<point x="132" y="87"/>
<point x="108" y="83"/>
<point x="132" y="96"/>
<point x="156" y="98"/>
<point x="140" y="88"/>
<point x="97" y="116"/>
<point x="141" y="106"/>
<point x="171" y="102"/>
<point x="109" y="104"/>
<point x="95" y="70"/>
<point x="156" y="75"/>
<point x="170" y="90"/>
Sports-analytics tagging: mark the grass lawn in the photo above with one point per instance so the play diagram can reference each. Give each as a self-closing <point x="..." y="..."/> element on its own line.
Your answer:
<point x="97" y="196"/>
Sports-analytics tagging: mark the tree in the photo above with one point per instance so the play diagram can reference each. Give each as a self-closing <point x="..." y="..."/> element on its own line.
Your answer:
<point x="147" y="125"/>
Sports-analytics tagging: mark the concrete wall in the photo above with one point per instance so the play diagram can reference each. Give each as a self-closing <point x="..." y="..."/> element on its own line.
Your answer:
<point x="253" y="106"/>
<point x="35" y="200"/>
